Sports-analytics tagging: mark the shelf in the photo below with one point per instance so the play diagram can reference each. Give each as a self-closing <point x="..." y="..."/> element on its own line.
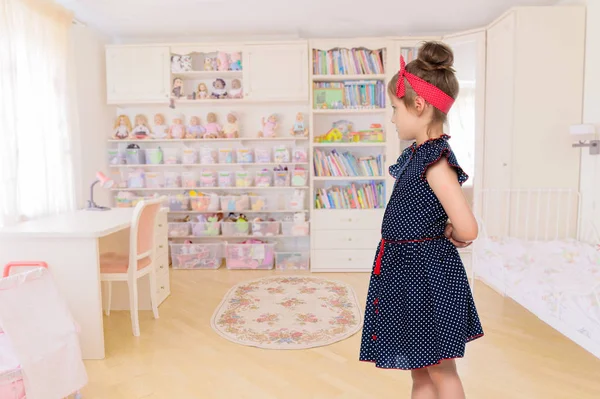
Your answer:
<point x="349" y="111"/>
<point x="337" y="78"/>
<point x="316" y="211"/>
<point x="212" y="166"/>
<point x="238" y="140"/>
<point x="348" y="144"/>
<point x="248" y="212"/>
<point x="211" y="188"/>
<point x="208" y="74"/>
<point x="234" y="237"/>
<point x="226" y="102"/>
<point x="348" y="178"/>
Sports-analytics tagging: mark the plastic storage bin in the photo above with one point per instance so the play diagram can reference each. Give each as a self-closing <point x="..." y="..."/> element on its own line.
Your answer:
<point x="179" y="229"/>
<point x="250" y="256"/>
<point x="281" y="154"/>
<point x="292" y="260"/>
<point x="299" y="177"/>
<point x="196" y="256"/>
<point x="179" y="202"/>
<point x="226" y="178"/>
<point x="171" y="156"/>
<point x="189" y="179"/>
<point x="205" y="203"/>
<point x="134" y="156"/>
<point x="296" y="201"/>
<point x="154" y="180"/>
<point x="281" y="178"/>
<point x="154" y="156"/>
<point x="245" y="155"/>
<point x="205" y="229"/>
<point x="295" y="228"/>
<point x="172" y="179"/>
<point x="208" y="156"/>
<point x="208" y="179"/>
<point x="116" y="157"/>
<point x="226" y="155"/>
<point x="265" y="229"/>
<point x="262" y="155"/>
<point x="235" y="229"/>
<point x="243" y="179"/>
<point x="260" y="203"/>
<point x="189" y="156"/>
<point x="263" y="178"/>
<point x="136" y="179"/>
<point x="235" y="203"/>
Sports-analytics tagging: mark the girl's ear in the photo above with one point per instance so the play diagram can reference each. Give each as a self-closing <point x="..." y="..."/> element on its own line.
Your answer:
<point x="420" y="104"/>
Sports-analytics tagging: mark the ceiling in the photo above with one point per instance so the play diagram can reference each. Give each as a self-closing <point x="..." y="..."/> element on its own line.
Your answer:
<point x="138" y="20"/>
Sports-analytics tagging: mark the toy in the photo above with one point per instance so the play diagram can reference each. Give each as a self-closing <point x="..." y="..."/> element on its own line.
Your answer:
<point x="141" y="130"/>
<point x="226" y="155"/>
<point x="226" y="178"/>
<point x="269" y="126"/>
<point x="291" y="261"/>
<point x="176" y="91"/>
<point x="160" y="129"/>
<point x="258" y="203"/>
<point x="202" y="93"/>
<point x="219" y="90"/>
<point x="222" y="61"/>
<point x="236" y="89"/>
<point x="134" y="155"/>
<point x="208" y="64"/>
<point x="299" y="129"/>
<point x="213" y="129"/>
<point x="208" y="156"/>
<point x="262" y="155"/>
<point x="177" y="130"/>
<point x="154" y="156"/>
<point x="170" y="156"/>
<point x="208" y="179"/>
<point x="122" y="127"/>
<point x="203" y="203"/>
<point x="282" y="176"/>
<point x="251" y="254"/>
<point x="135" y="179"/>
<point x="188" y="179"/>
<point x="231" y="129"/>
<point x="281" y="154"/>
<point x="234" y="203"/>
<point x="245" y="155"/>
<point x="243" y="179"/>
<point x="262" y="228"/>
<point x="115" y="157"/>
<point x="195" y="129"/>
<point x="299" y="177"/>
<point x="176" y="64"/>
<point x="178" y="229"/>
<point x="189" y="156"/>
<point x="213" y="226"/>
<point x="300" y="155"/>
<point x="179" y="202"/>
<point x="235" y="61"/>
<point x="296" y="202"/>
<point x="373" y="134"/>
<point x="263" y="178"/>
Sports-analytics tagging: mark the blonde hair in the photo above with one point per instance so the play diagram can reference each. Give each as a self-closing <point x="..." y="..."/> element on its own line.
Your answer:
<point x="127" y="122"/>
<point x="142" y="118"/>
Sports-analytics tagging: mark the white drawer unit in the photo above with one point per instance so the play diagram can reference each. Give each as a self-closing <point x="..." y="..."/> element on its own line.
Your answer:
<point x="346" y="239"/>
<point x="347" y="219"/>
<point x="163" y="283"/>
<point x="338" y="260"/>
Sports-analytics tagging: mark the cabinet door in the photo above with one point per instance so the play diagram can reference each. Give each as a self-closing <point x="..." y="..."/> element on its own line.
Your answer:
<point x="137" y="74"/>
<point x="276" y="72"/>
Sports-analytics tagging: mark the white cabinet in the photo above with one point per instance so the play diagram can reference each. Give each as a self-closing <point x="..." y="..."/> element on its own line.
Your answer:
<point x="137" y="74"/>
<point x="276" y="72"/>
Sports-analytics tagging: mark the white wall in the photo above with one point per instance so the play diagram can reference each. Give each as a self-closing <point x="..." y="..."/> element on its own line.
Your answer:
<point x="95" y="118"/>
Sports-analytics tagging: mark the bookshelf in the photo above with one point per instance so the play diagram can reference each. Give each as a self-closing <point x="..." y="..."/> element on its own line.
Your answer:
<point x="349" y="184"/>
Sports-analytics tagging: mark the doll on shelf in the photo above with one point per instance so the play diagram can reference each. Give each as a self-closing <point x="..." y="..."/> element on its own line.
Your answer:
<point x="195" y="130"/>
<point x="202" y="93"/>
<point x="176" y="91"/>
<point x="222" y="61"/>
<point x="213" y="129"/>
<point x="236" y="89"/>
<point x="141" y="130"/>
<point x="219" y="90"/>
<point x="160" y="129"/>
<point x="231" y="129"/>
<point x="269" y="126"/>
<point x="299" y="128"/>
<point x="177" y="130"/>
<point x="122" y="127"/>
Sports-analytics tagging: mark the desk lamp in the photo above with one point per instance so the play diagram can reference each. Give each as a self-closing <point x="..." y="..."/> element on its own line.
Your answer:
<point x="105" y="182"/>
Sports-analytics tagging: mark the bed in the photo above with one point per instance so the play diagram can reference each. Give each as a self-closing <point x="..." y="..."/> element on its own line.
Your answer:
<point x="534" y="249"/>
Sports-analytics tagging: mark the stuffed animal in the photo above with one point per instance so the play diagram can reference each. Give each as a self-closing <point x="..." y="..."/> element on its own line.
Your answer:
<point x="222" y="61"/>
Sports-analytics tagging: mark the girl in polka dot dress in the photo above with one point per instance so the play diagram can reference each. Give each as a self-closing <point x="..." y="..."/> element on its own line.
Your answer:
<point x="420" y="311"/>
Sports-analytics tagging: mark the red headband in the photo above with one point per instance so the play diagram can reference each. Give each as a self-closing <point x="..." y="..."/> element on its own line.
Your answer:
<point x="429" y="92"/>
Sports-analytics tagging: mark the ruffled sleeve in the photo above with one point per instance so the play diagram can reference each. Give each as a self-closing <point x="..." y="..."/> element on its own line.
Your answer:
<point x="435" y="151"/>
<point x="397" y="168"/>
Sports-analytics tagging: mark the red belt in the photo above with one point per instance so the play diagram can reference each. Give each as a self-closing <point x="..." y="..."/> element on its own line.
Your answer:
<point x="377" y="269"/>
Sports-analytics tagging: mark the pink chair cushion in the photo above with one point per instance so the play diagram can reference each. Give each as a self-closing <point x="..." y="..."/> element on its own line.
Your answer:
<point x="118" y="263"/>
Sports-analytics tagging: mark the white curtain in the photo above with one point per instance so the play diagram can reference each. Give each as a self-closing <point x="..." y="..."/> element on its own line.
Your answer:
<point x="36" y="168"/>
<point x="461" y="126"/>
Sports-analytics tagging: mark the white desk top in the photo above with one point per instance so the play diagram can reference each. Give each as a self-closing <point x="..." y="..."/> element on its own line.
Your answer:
<point x="77" y="224"/>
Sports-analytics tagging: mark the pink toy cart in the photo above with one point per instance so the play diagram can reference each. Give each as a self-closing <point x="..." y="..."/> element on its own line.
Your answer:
<point x="31" y="367"/>
<point x="251" y="254"/>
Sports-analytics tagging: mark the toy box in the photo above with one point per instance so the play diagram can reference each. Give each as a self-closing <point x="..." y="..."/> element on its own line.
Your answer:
<point x="299" y="177"/>
<point x="281" y="178"/>
<point x="171" y="156"/>
<point x="262" y="155"/>
<point x="154" y="156"/>
<point x="189" y="156"/>
<point x="294" y="228"/>
<point x="265" y="228"/>
<point x="235" y="203"/>
<point x="179" y="229"/>
<point x="292" y="260"/>
<point x="245" y="155"/>
<point x="235" y="229"/>
<point x="179" y="202"/>
<point x="226" y="155"/>
<point x="196" y="256"/>
<point x="226" y="178"/>
<point x="172" y="179"/>
<point x="116" y="157"/>
<point x="252" y="254"/>
<point x="206" y="229"/>
<point x="243" y="178"/>
<point x="208" y="156"/>
<point x="205" y="203"/>
<point x="208" y="179"/>
<point x="263" y="178"/>
<point x="189" y="179"/>
<point x="154" y="180"/>
<point x="134" y="156"/>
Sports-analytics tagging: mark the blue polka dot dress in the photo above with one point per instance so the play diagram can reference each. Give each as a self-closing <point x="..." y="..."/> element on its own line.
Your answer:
<point x="420" y="309"/>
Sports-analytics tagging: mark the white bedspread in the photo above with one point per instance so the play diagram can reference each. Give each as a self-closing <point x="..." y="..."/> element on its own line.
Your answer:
<point x="553" y="278"/>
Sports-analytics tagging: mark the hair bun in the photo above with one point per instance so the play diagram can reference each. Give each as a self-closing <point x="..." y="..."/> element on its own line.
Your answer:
<point x="435" y="56"/>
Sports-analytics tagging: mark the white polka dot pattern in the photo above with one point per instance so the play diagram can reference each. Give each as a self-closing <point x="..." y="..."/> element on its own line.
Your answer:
<point x="420" y="309"/>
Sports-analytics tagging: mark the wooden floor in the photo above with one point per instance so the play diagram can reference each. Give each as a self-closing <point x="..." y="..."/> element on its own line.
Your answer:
<point x="179" y="355"/>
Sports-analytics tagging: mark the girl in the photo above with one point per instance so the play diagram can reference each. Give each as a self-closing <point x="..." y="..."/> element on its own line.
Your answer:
<point x="420" y="311"/>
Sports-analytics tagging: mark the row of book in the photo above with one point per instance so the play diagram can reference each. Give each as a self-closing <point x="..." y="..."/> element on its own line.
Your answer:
<point x="346" y="164"/>
<point x="345" y="61"/>
<point x="352" y="196"/>
<point x="409" y="53"/>
<point x="358" y="93"/>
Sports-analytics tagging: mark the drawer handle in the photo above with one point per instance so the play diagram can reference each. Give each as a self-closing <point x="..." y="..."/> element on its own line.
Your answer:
<point x="162" y="266"/>
<point x="349" y="219"/>
<point x="160" y="246"/>
<point x="160" y="225"/>
<point x="350" y="239"/>
<point x="162" y="287"/>
<point x="350" y="259"/>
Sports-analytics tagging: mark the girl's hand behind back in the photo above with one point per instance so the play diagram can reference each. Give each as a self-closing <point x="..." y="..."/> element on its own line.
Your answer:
<point x="448" y="233"/>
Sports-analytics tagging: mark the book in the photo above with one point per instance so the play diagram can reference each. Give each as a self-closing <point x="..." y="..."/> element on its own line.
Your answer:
<point x="343" y="61"/>
<point x="370" y="195"/>
<point x="333" y="164"/>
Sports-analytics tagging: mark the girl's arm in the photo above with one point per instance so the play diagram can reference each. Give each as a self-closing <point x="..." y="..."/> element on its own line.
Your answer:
<point x="442" y="180"/>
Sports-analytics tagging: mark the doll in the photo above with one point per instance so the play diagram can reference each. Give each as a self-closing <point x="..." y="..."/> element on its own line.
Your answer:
<point x="177" y="130"/>
<point x="176" y="64"/>
<point x="177" y="91"/>
<point x="299" y="129"/>
<point x="219" y="90"/>
<point x="195" y="130"/>
<point x="160" y="129"/>
<point x="231" y="129"/>
<point x="222" y="61"/>
<point x="235" y="61"/>
<point x="236" y="89"/>
<point x="122" y="127"/>
<point x="208" y="64"/>
<point x="269" y="126"/>
<point x="141" y="130"/>
<point x="213" y="129"/>
<point x="202" y="93"/>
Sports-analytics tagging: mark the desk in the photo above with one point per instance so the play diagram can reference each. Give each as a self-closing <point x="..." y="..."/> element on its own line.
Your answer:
<point x="69" y="243"/>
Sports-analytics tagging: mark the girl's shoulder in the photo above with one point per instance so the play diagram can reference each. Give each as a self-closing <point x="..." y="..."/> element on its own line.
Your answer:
<point x="432" y="151"/>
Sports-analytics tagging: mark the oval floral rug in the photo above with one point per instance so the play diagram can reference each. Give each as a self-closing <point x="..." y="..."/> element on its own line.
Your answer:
<point x="288" y="312"/>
